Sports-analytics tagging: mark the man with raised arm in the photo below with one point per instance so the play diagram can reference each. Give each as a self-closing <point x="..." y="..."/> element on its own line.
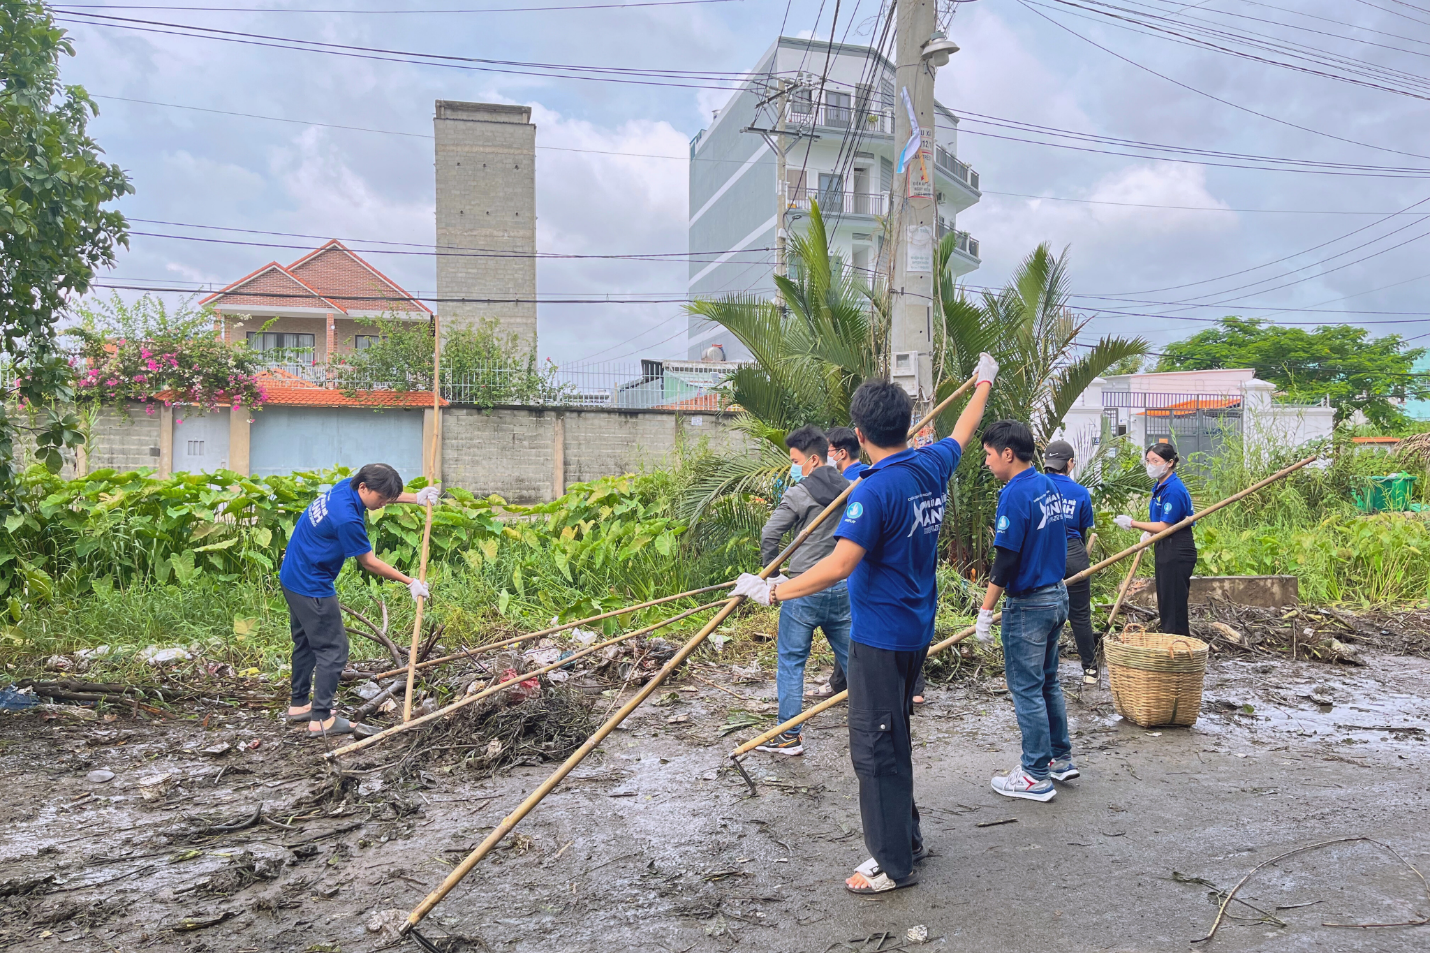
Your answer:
<point x="888" y="550"/>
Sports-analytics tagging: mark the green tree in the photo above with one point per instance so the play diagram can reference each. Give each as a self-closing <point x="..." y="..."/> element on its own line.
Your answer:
<point x="1339" y="362"/>
<point x="54" y="232"/>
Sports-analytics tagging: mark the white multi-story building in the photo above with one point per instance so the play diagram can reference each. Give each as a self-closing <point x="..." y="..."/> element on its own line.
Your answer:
<point x="844" y="158"/>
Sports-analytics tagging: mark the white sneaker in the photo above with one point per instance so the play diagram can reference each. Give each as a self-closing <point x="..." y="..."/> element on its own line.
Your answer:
<point x="1019" y="783"/>
<point x="1063" y="769"/>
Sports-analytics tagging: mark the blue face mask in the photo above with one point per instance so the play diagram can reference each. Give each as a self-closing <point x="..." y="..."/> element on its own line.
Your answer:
<point x="795" y="473"/>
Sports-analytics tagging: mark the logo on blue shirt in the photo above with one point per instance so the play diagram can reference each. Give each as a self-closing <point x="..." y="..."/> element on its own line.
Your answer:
<point x="1167" y="507"/>
<point x="854" y="511"/>
<point x="1002" y="523"/>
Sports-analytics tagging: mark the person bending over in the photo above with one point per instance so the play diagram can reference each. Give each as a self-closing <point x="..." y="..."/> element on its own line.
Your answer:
<point x="331" y="530"/>
<point x="888" y="550"/>
<point x="1030" y="547"/>
<point x="815" y="485"/>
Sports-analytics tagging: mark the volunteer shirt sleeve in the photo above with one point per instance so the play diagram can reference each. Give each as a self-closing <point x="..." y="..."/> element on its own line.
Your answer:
<point x="1181" y="500"/>
<point x="352" y="537"/>
<point x="862" y="518"/>
<point x="948" y="453"/>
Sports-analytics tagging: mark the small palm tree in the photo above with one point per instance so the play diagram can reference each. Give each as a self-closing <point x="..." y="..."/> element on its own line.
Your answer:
<point x="1029" y="329"/>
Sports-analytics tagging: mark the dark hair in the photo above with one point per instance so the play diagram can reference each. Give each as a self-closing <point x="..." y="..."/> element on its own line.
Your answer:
<point x="1010" y="435"/>
<point x="883" y="411"/>
<point x="844" y="438"/>
<point x="380" y="479"/>
<point x="809" y="439"/>
<point x="1166" y="451"/>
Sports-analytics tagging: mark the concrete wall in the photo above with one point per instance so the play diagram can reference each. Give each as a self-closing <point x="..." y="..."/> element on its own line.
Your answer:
<point x="284" y="439"/>
<point x="120" y="442"/>
<point x="486" y="200"/>
<point x="529" y="455"/>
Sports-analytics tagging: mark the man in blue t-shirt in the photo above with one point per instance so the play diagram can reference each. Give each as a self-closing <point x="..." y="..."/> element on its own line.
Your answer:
<point x="1030" y="557"/>
<point x="331" y="530"/>
<point x="888" y="550"/>
<point x="1059" y="461"/>
<point x="844" y="453"/>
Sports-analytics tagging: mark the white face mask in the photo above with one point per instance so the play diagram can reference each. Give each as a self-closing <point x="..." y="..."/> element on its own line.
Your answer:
<point x="796" y="473"/>
<point x="1157" y="470"/>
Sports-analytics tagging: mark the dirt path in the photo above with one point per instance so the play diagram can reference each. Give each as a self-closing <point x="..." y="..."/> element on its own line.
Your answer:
<point x="654" y="844"/>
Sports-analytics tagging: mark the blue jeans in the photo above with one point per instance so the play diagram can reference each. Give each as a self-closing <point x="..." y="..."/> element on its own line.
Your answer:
<point x="827" y="610"/>
<point x="1032" y="623"/>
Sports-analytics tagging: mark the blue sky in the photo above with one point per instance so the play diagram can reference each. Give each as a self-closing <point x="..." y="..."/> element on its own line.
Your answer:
<point x="622" y="187"/>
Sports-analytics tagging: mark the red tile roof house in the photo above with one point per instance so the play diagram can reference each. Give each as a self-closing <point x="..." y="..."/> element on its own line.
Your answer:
<point x="321" y="306"/>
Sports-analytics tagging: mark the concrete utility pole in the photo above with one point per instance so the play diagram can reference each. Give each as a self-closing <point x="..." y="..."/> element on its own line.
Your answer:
<point x="913" y="207"/>
<point x="778" y="138"/>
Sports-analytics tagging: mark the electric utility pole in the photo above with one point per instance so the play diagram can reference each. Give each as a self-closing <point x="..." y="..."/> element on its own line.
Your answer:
<point x="781" y="138"/>
<point x="914" y="212"/>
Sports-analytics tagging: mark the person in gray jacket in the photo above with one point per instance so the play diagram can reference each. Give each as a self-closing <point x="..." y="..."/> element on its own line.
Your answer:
<point x="814" y="485"/>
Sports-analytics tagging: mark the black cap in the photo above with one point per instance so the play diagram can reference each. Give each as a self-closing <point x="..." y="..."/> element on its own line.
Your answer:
<point x="1057" y="454"/>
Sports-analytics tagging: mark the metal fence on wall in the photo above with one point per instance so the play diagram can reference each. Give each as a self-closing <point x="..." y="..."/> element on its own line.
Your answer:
<point x="1194" y="423"/>
<point x="692" y="386"/>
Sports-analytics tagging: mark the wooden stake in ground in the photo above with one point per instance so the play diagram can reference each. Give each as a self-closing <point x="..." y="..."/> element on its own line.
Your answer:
<point x="593" y="742"/>
<point x="934" y="649"/>
<point x="427" y="528"/>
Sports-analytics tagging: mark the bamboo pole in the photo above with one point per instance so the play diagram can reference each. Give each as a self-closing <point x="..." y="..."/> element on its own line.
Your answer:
<point x="1136" y="549"/>
<point x="427" y="528"/>
<point x="591" y="743"/>
<point x="1122" y="591"/>
<point x="524" y="676"/>
<point x="516" y="640"/>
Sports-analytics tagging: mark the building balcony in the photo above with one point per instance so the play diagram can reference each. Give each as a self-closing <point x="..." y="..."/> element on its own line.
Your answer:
<point x="869" y="120"/>
<point x="832" y="202"/>
<point x="964" y="244"/>
<point x="963" y="177"/>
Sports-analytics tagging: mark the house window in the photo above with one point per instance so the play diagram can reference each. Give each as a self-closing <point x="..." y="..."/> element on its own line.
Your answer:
<point x="802" y="102"/>
<point x="831" y="192"/>
<point x="837" y="109"/>
<point x="361" y="342"/>
<point x="280" y="345"/>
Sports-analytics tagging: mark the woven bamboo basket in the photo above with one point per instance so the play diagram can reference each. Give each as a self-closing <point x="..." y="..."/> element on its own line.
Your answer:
<point x="1156" y="679"/>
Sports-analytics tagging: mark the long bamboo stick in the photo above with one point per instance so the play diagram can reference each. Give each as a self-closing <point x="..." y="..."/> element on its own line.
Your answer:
<point x="524" y="676"/>
<point x="833" y="700"/>
<point x="1122" y="590"/>
<point x="427" y="528"/>
<point x="591" y="743"/>
<point x="526" y="637"/>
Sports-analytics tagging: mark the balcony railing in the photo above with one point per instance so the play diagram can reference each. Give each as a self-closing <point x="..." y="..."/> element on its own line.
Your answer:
<point x="870" y="119"/>
<point x="833" y="202"/>
<point x="963" y="241"/>
<point x="951" y="166"/>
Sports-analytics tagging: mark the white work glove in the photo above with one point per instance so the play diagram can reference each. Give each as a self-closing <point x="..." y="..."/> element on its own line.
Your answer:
<point x="419" y="590"/>
<point x="756" y="589"/>
<point x="987" y="369"/>
<point x="1145" y="536"/>
<point x="983" y="630"/>
<point x="1123" y="521"/>
<point x="427" y="496"/>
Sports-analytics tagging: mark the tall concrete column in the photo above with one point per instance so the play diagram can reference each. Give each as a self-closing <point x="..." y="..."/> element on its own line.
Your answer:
<point x="166" y="442"/>
<point x="558" y="457"/>
<point x="915" y="209"/>
<point x="239" y="440"/>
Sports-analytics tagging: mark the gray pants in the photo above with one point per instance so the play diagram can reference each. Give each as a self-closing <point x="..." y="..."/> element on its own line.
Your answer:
<point x="320" y="651"/>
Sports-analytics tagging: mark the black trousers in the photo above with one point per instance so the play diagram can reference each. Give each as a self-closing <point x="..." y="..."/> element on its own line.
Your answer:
<point x="1080" y="604"/>
<point x="881" y="691"/>
<point x="1176" y="558"/>
<point x="320" y="651"/>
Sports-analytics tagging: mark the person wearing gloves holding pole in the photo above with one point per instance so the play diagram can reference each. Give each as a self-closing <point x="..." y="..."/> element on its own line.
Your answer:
<point x="1058" y="463"/>
<point x="331" y="530"/>
<point x="1030" y="558"/>
<point x="888" y="550"/>
<point x="1176" y="556"/>
<point x="814" y="486"/>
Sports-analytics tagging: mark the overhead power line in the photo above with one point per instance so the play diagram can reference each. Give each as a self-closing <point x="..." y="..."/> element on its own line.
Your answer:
<point x="397" y="11"/>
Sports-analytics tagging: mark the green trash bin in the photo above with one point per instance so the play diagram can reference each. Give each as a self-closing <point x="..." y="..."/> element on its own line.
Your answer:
<point x="1390" y="493"/>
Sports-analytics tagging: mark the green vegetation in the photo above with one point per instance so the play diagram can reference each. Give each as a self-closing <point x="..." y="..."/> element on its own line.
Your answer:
<point x="54" y="231"/>
<point x="1341" y="363"/>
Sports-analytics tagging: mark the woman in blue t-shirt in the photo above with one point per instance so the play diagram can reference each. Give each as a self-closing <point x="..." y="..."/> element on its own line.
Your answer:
<point x="1176" y="556"/>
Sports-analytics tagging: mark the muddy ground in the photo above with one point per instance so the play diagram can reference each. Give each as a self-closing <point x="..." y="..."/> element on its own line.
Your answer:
<point x="654" y="844"/>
